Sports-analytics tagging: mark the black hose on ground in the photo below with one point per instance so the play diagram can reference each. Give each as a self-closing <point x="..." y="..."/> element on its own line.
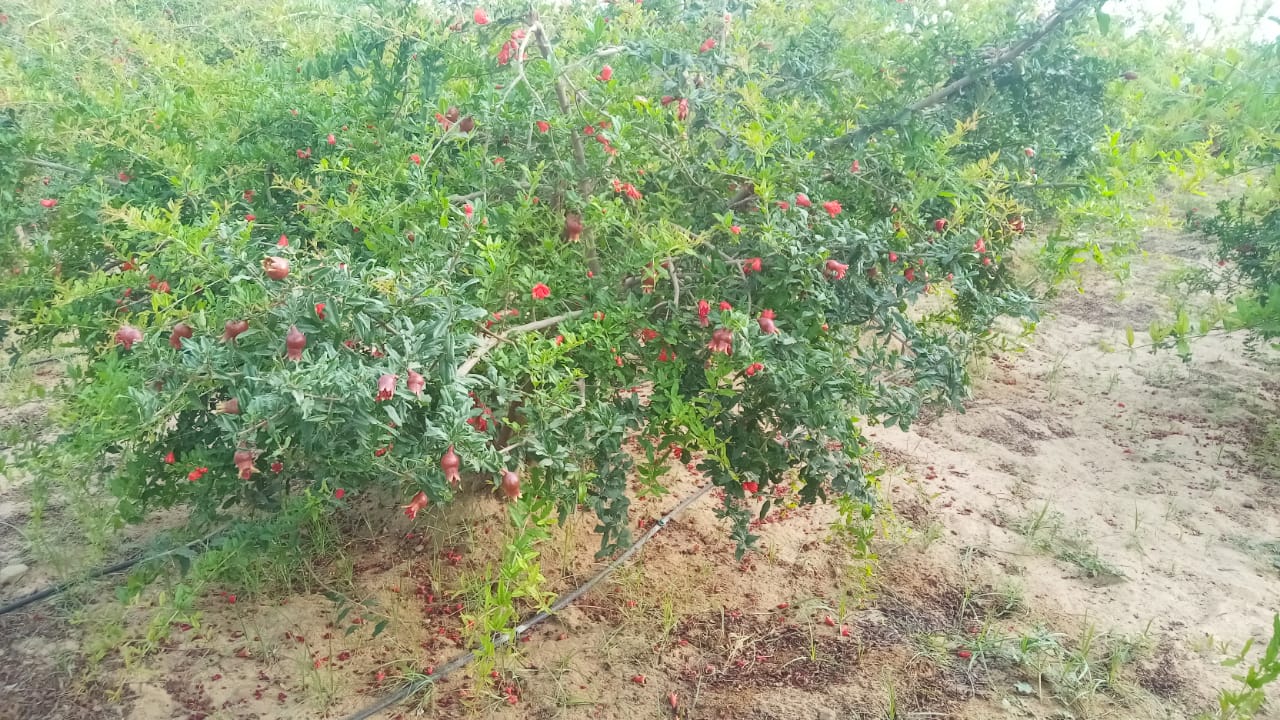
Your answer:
<point x="563" y="602"/>
<point x="101" y="572"/>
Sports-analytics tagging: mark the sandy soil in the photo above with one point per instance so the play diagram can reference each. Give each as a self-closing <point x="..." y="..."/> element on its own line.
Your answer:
<point x="1089" y="539"/>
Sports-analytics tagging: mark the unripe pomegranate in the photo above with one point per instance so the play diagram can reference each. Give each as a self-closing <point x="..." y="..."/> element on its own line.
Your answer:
<point x="467" y="124"/>
<point x="416" y="383"/>
<point x="243" y="460"/>
<point x="1130" y="75"/>
<point x="940" y="224"/>
<point x="572" y="227"/>
<point x="277" y="268"/>
<point x="233" y="328"/>
<point x="294" y="342"/>
<point x="127" y="335"/>
<point x="229" y="407"/>
<point x="450" y="463"/>
<point x="180" y="331"/>
<point x="511" y="484"/>
<point x="452" y="114"/>
<point x="766" y="323"/>
<point x="386" y="387"/>
<point x="415" y="505"/>
<point x="721" y="341"/>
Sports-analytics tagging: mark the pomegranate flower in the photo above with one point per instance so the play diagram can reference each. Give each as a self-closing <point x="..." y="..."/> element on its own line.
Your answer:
<point x="832" y="207"/>
<point x="836" y="270"/>
<point x="802" y="200"/>
<point x="725" y="306"/>
<point x="481" y="17"/>
<point x="127" y="335"/>
<point x="543" y="126"/>
<point x="704" y="312"/>
<point x="766" y="323"/>
<point x="386" y="387"/>
<point x="196" y="474"/>
<point x="606" y="74"/>
<point x="735" y="229"/>
<point x="940" y="224"/>
<point x="415" y="158"/>
<point x="416" y="383"/>
<point x="468" y="210"/>
<point x="418" y="503"/>
<point x="753" y="368"/>
<point x="320" y="310"/>
<point x="783" y="205"/>
<point x="721" y="341"/>
<point x="751" y="487"/>
<point x="331" y="139"/>
<point x="752" y="265"/>
<point x="339" y="493"/>
<point x="294" y="342"/>
<point x="169" y="459"/>
<point x="540" y="292"/>
<point x="707" y="45"/>
<point x="48" y="203"/>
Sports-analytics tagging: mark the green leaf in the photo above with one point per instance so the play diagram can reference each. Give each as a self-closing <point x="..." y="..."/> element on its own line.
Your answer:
<point x="1104" y="21"/>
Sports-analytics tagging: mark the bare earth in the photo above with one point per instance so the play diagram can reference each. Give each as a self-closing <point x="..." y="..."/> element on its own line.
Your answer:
<point x="1088" y="540"/>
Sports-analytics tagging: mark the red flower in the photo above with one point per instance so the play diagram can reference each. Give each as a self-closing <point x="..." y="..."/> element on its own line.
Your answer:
<point x="663" y="356"/>
<point x="559" y="340"/>
<point x="468" y="210"/>
<point x="248" y="195"/>
<point x="606" y="74"/>
<point x="416" y="383"/>
<point x="707" y="44"/>
<point x="250" y="217"/>
<point x="283" y="241"/>
<point x="855" y="167"/>
<point x="196" y="474"/>
<point x="704" y="311"/>
<point x="127" y="335"/>
<point x="540" y="292"/>
<point x="964" y="654"/>
<point x="803" y="200"/>
<point x="303" y="154"/>
<point x="752" y="265"/>
<point x="721" y="341"/>
<point x="648" y="335"/>
<point x="766" y="322"/>
<point x="725" y="307"/>
<point x="504" y="54"/>
<point x="169" y="459"/>
<point x="832" y="207"/>
<point x="48" y="203"/>
<point x="980" y="245"/>
<point x="386" y="387"/>
<point x="597" y="315"/>
<point x="339" y="493"/>
<point x="231" y="599"/>
<point x="751" y="487"/>
<point x="415" y="505"/>
<point x="122" y="177"/>
<point x="320" y="310"/>
<point x="753" y="368"/>
<point x="893" y="256"/>
<point x="617" y="360"/>
<point x="294" y="342"/>
<point x="543" y="126"/>
<point x="277" y="467"/>
<point x="940" y="224"/>
<point x="382" y="451"/>
<point x="481" y="18"/>
<point x="784" y="205"/>
<point x="1029" y="152"/>
<point x="735" y="229"/>
<point x="416" y="159"/>
<point x="331" y="139"/>
<point x="910" y="274"/>
<point x="682" y="109"/>
<point x="836" y="269"/>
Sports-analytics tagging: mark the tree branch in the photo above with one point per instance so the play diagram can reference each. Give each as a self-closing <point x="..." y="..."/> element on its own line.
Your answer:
<point x="489" y="343"/>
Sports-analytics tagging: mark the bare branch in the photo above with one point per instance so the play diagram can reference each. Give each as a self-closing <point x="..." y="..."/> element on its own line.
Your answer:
<point x="489" y="343"/>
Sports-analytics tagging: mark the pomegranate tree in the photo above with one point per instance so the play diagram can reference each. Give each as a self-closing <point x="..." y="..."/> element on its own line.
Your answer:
<point x="518" y="241"/>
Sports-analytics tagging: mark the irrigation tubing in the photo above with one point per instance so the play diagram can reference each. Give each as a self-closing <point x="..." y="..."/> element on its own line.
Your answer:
<point x="500" y="640"/>
<point x="100" y="572"/>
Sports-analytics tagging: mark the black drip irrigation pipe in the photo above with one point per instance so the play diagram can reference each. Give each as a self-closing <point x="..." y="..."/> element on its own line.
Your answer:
<point x="462" y="660"/>
<point x="100" y="572"/>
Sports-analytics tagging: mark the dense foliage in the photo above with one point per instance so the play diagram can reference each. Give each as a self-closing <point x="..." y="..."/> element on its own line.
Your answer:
<point x="322" y="252"/>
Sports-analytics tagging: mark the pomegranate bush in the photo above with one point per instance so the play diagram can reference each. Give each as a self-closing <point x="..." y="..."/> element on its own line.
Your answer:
<point x="401" y="245"/>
